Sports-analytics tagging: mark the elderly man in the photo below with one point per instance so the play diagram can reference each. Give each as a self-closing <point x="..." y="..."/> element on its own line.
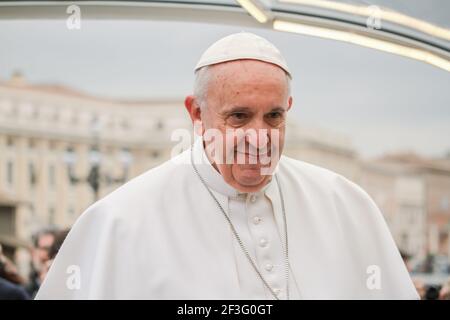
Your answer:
<point x="231" y="218"/>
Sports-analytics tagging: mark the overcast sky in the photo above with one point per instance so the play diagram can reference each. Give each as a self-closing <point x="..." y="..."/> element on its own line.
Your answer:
<point x="383" y="102"/>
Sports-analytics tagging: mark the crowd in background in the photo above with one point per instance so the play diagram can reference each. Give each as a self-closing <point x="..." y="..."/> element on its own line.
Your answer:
<point x="46" y="244"/>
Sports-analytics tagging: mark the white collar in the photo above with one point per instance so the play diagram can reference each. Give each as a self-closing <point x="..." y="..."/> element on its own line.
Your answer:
<point x="213" y="178"/>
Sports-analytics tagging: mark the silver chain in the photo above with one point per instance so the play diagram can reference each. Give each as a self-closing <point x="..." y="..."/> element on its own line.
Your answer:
<point x="238" y="238"/>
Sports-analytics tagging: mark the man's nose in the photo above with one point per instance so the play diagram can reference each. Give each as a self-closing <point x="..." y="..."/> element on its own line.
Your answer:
<point x="258" y="139"/>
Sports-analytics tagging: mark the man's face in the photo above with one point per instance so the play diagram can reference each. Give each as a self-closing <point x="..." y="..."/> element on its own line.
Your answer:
<point x="252" y="96"/>
<point x="45" y="242"/>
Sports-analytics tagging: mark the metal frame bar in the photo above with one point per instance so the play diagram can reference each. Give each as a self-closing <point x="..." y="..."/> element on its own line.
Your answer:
<point x="216" y="13"/>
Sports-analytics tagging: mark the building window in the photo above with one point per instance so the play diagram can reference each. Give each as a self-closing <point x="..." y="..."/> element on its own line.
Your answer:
<point x="444" y="204"/>
<point x="404" y="240"/>
<point x="10" y="173"/>
<point x="155" y="153"/>
<point x="52" y="145"/>
<point x="95" y="124"/>
<point x="32" y="174"/>
<point x="32" y="211"/>
<point x="70" y="159"/>
<point x="51" y="216"/>
<point x="51" y="175"/>
<point x="31" y="143"/>
<point x="9" y="141"/>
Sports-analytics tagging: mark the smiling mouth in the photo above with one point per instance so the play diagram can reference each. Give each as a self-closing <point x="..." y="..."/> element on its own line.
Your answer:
<point x="266" y="152"/>
<point x="253" y="155"/>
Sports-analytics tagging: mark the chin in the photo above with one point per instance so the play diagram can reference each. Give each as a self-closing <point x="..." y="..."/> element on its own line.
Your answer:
<point x="250" y="183"/>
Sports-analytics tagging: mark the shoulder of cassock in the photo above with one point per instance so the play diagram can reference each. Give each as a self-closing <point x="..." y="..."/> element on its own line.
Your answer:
<point x="120" y="231"/>
<point x="347" y="223"/>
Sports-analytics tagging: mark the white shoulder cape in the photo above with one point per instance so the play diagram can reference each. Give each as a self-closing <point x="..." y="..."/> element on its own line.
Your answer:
<point x="161" y="236"/>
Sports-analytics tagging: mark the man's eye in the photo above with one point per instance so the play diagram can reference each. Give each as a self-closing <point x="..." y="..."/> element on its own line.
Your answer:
<point x="274" y="115"/>
<point x="239" y="116"/>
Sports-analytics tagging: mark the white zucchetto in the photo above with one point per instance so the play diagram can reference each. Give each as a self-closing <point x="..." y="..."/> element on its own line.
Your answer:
<point x="242" y="45"/>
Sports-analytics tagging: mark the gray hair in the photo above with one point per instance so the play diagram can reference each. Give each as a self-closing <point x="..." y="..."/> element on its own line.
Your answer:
<point x="202" y="77"/>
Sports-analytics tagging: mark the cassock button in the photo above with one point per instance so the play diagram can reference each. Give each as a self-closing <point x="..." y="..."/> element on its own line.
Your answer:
<point x="256" y="220"/>
<point x="269" y="267"/>
<point x="253" y="198"/>
<point x="263" y="242"/>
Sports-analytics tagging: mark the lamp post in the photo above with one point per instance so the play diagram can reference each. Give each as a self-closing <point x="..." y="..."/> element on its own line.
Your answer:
<point x="95" y="177"/>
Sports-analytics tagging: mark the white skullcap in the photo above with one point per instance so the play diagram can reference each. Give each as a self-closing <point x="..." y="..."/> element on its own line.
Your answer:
<point x="242" y="45"/>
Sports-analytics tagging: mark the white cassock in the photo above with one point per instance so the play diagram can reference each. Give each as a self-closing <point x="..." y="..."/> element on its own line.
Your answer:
<point x="162" y="236"/>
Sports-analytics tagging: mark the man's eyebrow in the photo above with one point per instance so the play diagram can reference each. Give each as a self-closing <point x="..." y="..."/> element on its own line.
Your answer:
<point x="237" y="109"/>
<point x="277" y="109"/>
<point x="247" y="109"/>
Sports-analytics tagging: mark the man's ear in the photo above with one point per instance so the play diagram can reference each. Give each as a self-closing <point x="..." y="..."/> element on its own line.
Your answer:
<point x="195" y="113"/>
<point x="192" y="108"/>
<point x="289" y="103"/>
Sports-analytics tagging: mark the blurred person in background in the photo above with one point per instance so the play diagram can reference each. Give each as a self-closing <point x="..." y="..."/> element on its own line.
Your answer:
<point x="444" y="293"/>
<point x="40" y="255"/>
<point x="432" y="292"/>
<point x="10" y="281"/>
<point x="58" y="240"/>
<point x="406" y="257"/>
<point x="420" y="287"/>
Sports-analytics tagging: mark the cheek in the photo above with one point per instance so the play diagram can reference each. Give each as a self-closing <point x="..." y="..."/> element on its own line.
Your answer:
<point x="226" y="172"/>
<point x="277" y="139"/>
<point x="210" y="119"/>
<point x="281" y="141"/>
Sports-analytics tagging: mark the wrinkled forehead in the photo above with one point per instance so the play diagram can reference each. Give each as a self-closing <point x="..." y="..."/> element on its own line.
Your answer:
<point x="244" y="77"/>
<point x="248" y="68"/>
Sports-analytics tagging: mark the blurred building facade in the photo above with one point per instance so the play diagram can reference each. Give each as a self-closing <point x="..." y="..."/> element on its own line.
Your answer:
<point x="42" y="126"/>
<point x="415" y="202"/>
<point x="52" y="136"/>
